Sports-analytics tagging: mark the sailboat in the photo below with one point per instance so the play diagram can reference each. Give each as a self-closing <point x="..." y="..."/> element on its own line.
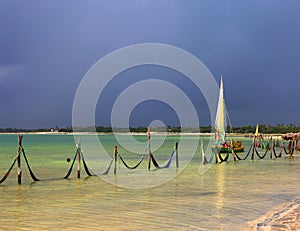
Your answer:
<point x="256" y="131"/>
<point x="220" y="123"/>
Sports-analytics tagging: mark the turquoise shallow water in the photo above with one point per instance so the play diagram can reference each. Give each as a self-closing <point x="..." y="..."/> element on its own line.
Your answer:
<point x="227" y="197"/>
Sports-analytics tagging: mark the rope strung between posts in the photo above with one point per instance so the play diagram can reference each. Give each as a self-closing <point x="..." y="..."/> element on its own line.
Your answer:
<point x="270" y="146"/>
<point x="107" y="170"/>
<point x="277" y="143"/>
<point x="280" y="153"/>
<point x="33" y="176"/>
<point x="12" y="165"/>
<point x="9" y="170"/>
<point x="286" y="152"/>
<point x="70" y="169"/>
<point x="87" y="170"/>
<point x="221" y="158"/>
<point x="204" y="159"/>
<point x="259" y="156"/>
<point x="27" y="163"/>
<point x="129" y="167"/>
<point x="263" y="144"/>
<point x="216" y="152"/>
<point x="246" y="156"/>
<point x="291" y="148"/>
<point x="85" y="166"/>
<point x="218" y="155"/>
<point x="156" y="165"/>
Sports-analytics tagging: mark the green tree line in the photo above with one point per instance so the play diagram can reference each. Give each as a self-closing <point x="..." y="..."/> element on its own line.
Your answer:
<point x="263" y="128"/>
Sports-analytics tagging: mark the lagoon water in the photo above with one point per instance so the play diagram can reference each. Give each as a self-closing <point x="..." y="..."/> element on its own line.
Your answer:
<point x="227" y="197"/>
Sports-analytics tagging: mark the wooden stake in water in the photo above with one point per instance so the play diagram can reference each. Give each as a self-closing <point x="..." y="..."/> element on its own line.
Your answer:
<point x="115" y="158"/>
<point x="271" y="147"/>
<point x="149" y="150"/>
<point x="79" y="158"/>
<point x="253" y="147"/>
<point x="203" y="153"/>
<point x="20" y="138"/>
<point x="232" y="150"/>
<point x="176" y="153"/>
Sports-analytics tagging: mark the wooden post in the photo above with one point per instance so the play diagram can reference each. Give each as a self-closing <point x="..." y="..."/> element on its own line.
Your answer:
<point x="176" y="153"/>
<point x="271" y="147"/>
<point x="20" y="138"/>
<point x="216" y="154"/>
<point x="79" y="158"/>
<point x="292" y="148"/>
<point x="232" y="150"/>
<point x="115" y="158"/>
<point x="281" y="148"/>
<point x="204" y="160"/>
<point x="215" y="148"/>
<point x="253" y="146"/>
<point x="149" y="150"/>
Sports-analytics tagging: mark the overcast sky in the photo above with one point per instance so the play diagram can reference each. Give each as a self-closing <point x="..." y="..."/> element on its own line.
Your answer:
<point x="46" y="47"/>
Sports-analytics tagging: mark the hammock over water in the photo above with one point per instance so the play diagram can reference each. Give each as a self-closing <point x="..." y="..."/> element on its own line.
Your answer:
<point x="156" y="165"/>
<point x="129" y="167"/>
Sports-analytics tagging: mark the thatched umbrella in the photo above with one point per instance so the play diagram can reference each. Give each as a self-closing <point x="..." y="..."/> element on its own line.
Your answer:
<point x="292" y="137"/>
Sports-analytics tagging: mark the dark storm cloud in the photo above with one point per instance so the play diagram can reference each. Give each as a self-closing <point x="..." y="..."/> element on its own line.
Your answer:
<point x="47" y="47"/>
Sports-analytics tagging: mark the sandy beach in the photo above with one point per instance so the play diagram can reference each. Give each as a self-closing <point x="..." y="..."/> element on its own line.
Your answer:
<point x="282" y="218"/>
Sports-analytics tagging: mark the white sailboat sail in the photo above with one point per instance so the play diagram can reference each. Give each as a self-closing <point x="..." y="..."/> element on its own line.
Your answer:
<point x="220" y="117"/>
<point x="220" y="125"/>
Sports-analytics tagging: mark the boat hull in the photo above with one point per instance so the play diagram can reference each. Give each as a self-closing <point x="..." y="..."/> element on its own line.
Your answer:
<point x="222" y="149"/>
<point x="235" y="149"/>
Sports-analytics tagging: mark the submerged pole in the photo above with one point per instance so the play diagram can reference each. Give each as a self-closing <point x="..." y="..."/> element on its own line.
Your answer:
<point x="20" y="138"/>
<point x="115" y="158"/>
<point x="149" y="150"/>
<point x="176" y="153"/>
<point x="79" y="158"/>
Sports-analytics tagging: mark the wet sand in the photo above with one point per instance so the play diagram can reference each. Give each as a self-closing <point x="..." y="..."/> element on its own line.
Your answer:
<point x="286" y="217"/>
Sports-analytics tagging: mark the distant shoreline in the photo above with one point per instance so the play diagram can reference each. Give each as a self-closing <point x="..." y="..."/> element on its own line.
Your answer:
<point x="248" y="130"/>
<point x="242" y="135"/>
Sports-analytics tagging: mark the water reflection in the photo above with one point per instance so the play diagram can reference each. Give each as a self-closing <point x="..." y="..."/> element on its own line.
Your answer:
<point x="18" y="204"/>
<point x="220" y="177"/>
